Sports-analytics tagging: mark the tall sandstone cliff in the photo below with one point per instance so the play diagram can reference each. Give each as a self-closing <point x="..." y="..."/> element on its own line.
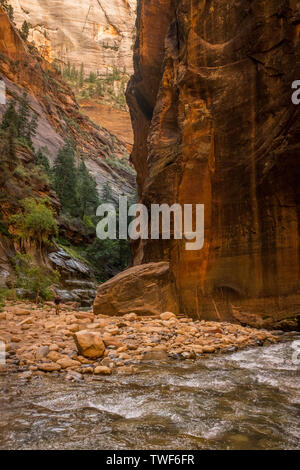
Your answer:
<point x="97" y="33"/>
<point x="214" y="124"/>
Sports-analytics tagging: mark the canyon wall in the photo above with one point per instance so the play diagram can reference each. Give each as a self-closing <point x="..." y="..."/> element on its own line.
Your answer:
<point x="59" y="115"/>
<point x="97" y="33"/>
<point x="214" y="124"/>
<point x="23" y="70"/>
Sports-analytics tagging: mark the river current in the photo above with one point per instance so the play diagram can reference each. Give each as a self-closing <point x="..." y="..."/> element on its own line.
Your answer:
<point x="243" y="400"/>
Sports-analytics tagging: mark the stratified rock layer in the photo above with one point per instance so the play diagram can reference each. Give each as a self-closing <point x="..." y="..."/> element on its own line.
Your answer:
<point x="97" y="33"/>
<point x="214" y="124"/>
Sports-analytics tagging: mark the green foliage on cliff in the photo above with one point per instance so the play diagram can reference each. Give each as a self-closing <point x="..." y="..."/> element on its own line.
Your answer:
<point x="87" y="193"/>
<point x="41" y="160"/>
<point x="74" y="185"/>
<point x="33" y="220"/>
<point x="18" y="177"/>
<point x="35" y="224"/>
<point x="120" y="163"/>
<point x="20" y="120"/>
<point x="25" y="30"/>
<point x="65" y="179"/>
<point x="109" y="89"/>
<point x="36" y="280"/>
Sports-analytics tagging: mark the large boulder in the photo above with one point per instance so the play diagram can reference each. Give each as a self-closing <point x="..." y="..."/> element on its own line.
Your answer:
<point x="147" y="289"/>
<point x="89" y="344"/>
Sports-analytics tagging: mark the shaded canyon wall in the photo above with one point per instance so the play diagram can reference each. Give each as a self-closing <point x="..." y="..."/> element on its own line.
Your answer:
<point x="214" y="124"/>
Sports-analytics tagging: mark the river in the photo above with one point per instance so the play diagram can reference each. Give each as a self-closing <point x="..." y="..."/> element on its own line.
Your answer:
<point x="243" y="400"/>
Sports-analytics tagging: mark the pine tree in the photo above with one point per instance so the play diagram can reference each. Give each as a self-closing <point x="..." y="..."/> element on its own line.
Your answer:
<point x="25" y="30"/>
<point x="81" y="76"/>
<point x="74" y="74"/>
<point x="10" y="117"/>
<point x="32" y="128"/>
<point x="9" y="126"/>
<point x="67" y="71"/>
<point x="87" y="191"/>
<point x="24" y="115"/>
<point x="106" y="193"/>
<point x="42" y="160"/>
<point x="92" y="77"/>
<point x="25" y="125"/>
<point x="8" y="157"/>
<point x="99" y="89"/>
<point x="11" y="148"/>
<point x="65" y="179"/>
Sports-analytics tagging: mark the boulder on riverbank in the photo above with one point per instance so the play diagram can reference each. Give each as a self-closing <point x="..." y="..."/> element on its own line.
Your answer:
<point x="147" y="289"/>
<point x="89" y="344"/>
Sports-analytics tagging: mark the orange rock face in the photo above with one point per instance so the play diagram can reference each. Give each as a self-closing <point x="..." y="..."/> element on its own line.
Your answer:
<point x="89" y="344"/>
<point x="214" y="124"/>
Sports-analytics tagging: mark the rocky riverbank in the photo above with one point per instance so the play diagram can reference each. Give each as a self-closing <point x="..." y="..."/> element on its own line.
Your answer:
<point x="81" y="345"/>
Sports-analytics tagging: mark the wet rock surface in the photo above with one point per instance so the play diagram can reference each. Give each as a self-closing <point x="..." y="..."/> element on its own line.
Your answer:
<point x="77" y="278"/>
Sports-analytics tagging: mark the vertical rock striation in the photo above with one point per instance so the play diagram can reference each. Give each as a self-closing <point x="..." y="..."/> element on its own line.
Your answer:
<point x="97" y="33"/>
<point x="214" y="124"/>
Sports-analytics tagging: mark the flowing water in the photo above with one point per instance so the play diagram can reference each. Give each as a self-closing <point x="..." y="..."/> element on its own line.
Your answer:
<point x="245" y="400"/>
